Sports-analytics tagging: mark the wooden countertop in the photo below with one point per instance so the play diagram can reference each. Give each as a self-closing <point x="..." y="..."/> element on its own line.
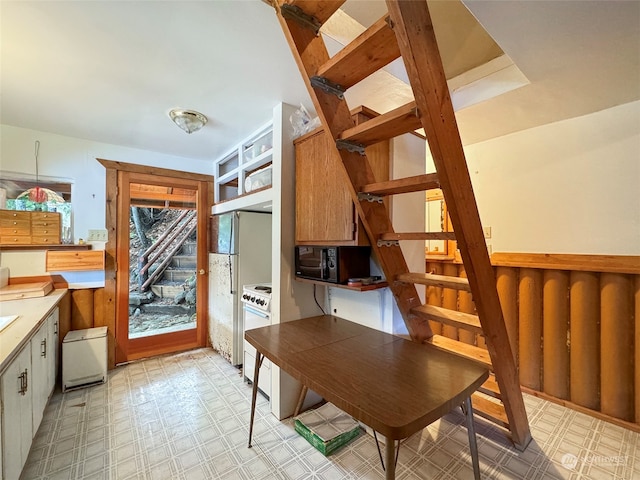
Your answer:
<point x="32" y="313"/>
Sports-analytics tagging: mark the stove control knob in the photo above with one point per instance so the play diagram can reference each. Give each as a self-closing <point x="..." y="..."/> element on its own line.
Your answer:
<point x="253" y="299"/>
<point x="260" y="302"/>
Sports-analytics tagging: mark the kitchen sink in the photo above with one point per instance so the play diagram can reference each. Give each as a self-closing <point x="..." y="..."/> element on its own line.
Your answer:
<point x="6" y="320"/>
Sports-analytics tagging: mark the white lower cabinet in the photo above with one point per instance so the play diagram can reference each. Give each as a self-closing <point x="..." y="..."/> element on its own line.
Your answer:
<point x="17" y="411"/>
<point x="25" y="388"/>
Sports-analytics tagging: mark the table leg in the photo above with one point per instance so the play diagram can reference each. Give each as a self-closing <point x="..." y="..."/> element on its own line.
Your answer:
<point x="390" y="459"/>
<point x="473" y="446"/>
<point x="303" y="395"/>
<point x="254" y="394"/>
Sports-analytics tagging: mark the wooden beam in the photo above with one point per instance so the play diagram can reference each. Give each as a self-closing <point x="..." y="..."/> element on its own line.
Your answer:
<point x="567" y="261"/>
<point x="416" y="183"/>
<point x="418" y="236"/>
<point x="369" y="52"/>
<point x="457" y="283"/>
<point x="320" y="10"/>
<point x="449" y="317"/>
<point x="396" y="122"/>
<point x="419" y="48"/>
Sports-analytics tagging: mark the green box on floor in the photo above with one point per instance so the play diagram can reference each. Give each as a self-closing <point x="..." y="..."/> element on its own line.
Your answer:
<point x="327" y="428"/>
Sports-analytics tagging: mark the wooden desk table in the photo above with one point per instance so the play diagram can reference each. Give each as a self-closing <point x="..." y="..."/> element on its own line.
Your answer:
<point x="395" y="386"/>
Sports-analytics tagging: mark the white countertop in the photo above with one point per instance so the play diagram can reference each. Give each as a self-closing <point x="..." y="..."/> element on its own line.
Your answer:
<point x="32" y="313"/>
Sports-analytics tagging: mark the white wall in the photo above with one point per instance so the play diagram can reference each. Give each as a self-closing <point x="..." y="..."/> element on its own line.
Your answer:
<point x="567" y="187"/>
<point x="378" y="309"/>
<point x="75" y="159"/>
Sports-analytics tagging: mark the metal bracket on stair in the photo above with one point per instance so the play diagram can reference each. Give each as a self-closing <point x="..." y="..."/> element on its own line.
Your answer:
<point x="389" y="22"/>
<point x="327" y="86"/>
<point x="350" y="146"/>
<point x="293" y="12"/>
<point x="388" y="243"/>
<point x="369" y="197"/>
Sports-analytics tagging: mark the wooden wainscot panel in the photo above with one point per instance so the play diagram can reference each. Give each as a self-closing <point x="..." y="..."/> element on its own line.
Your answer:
<point x="62" y="261"/>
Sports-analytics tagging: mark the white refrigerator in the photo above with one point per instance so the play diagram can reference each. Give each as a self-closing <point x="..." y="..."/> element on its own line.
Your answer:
<point x="241" y="246"/>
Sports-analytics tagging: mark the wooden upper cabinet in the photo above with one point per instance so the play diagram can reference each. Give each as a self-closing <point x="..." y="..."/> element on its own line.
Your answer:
<point x="325" y="214"/>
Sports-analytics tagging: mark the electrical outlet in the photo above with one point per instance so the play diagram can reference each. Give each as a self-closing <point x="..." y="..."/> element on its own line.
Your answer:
<point x="487" y="232"/>
<point x="97" y="235"/>
<point x="489" y="249"/>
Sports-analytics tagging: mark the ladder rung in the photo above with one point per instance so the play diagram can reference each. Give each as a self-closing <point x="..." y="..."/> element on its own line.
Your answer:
<point x="489" y="409"/>
<point x="490" y="387"/>
<point x="431" y="279"/>
<point x="392" y="124"/>
<point x="427" y="181"/>
<point x="465" y="350"/>
<point x="368" y="53"/>
<point x="418" y="236"/>
<point x="449" y="317"/>
<point x="321" y="10"/>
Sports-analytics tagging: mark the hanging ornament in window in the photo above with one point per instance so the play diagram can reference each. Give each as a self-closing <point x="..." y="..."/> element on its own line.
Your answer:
<point x="39" y="194"/>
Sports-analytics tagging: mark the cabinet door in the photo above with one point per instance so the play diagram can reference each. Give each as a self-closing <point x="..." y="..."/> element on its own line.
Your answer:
<point x="324" y="209"/>
<point x="16" y="414"/>
<point x="53" y="346"/>
<point x="40" y="350"/>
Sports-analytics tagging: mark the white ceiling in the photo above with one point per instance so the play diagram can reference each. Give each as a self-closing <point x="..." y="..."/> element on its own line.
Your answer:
<point x="110" y="71"/>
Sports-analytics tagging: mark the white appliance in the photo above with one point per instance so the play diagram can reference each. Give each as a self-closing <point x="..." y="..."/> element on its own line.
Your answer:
<point x="257" y="313"/>
<point x="84" y="358"/>
<point x="241" y="246"/>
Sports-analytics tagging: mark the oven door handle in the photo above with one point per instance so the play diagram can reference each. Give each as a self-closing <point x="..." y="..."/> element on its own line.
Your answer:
<point x="255" y="311"/>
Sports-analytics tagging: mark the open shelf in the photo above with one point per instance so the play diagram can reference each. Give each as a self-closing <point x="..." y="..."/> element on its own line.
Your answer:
<point x="363" y="288"/>
<point x="231" y="171"/>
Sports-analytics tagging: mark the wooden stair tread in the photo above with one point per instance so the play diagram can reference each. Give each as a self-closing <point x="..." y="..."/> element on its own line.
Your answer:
<point x="394" y="123"/>
<point x="418" y="183"/>
<point x="465" y="350"/>
<point x="320" y="10"/>
<point x="417" y="236"/>
<point x="490" y="387"/>
<point x="368" y="53"/>
<point x="432" y="111"/>
<point x="489" y="409"/>
<point x="449" y="317"/>
<point x="432" y="279"/>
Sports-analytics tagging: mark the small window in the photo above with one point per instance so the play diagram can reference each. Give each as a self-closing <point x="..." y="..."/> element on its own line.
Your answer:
<point x="45" y="195"/>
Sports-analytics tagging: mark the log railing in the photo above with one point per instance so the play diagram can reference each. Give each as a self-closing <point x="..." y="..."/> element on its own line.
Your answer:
<point x="574" y="325"/>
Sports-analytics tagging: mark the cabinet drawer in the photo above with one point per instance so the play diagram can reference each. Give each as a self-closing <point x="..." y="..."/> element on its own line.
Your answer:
<point x="15" y="230"/>
<point x="45" y="217"/>
<point x="45" y="230"/>
<point x="12" y="215"/>
<point x="45" y="239"/>
<point x="16" y="223"/>
<point x="58" y="261"/>
<point x="15" y="240"/>
<point x="45" y="221"/>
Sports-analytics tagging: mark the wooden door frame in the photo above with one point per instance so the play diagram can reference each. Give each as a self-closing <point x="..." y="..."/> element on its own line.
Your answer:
<point x="205" y="198"/>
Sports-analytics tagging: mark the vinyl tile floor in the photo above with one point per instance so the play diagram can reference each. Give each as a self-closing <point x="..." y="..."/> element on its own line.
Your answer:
<point x="185" y="416"/>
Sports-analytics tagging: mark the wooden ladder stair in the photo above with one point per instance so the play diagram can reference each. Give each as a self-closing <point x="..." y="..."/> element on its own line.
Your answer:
<point x="407" y="32"/>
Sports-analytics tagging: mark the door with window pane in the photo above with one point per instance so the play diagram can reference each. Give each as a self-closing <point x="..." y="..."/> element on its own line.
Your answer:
<point x="162" y="271"/>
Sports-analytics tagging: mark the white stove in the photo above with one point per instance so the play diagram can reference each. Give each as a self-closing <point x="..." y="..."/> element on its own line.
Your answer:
<point x="257" y="313"/>
<point x="257" y="296"/>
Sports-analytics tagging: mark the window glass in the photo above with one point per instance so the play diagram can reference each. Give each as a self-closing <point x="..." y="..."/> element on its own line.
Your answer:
<point x="41" y="196"/>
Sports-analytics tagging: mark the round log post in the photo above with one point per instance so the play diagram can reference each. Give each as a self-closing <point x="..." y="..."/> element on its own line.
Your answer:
<point x="555" y="353"/>
<point x="530" y="328"/>
<point x="584" y="314"/>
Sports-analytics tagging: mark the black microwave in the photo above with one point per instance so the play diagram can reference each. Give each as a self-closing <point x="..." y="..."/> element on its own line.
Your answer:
<point x="332" y="264"/>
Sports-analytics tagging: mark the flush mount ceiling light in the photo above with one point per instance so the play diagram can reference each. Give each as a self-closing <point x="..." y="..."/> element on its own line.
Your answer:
<point x="188" y="120"/>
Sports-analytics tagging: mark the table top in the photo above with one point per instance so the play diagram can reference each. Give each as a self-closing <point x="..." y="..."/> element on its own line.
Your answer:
<point x="394" y="385"/>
